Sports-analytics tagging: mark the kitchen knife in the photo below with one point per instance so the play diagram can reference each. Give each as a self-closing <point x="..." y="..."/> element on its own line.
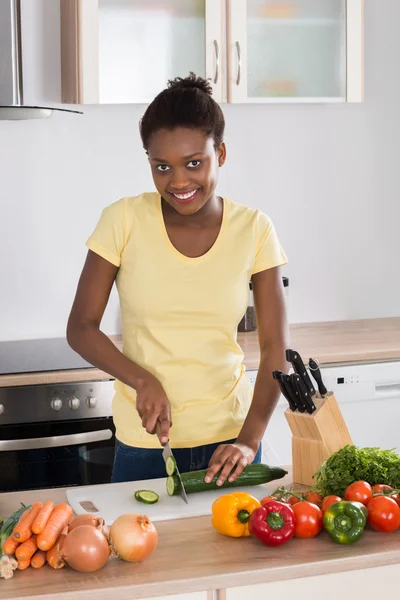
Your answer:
<point x="304" y="393"/>
<point x="292" y="390"/>
<point x="316" y="373"/>
<point x="294" y="357"/>
<point x="166" y="453"/>
<point x="277" y="375"/>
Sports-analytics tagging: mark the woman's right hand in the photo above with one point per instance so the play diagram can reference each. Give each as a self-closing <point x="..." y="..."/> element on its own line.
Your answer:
<point x="153" y="407"/>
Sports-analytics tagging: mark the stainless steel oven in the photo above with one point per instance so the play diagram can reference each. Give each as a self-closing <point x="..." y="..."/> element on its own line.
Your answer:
<point x="54" y="435"/>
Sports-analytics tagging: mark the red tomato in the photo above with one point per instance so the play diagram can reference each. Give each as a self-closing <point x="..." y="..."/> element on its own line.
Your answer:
<point x="383" y="514"/>
<point x="359" y="491"/>
<point x="328" y="501"/>
<point x="267" y="499"/>
<point x="378" y="488"/>
<point x="308" y="519"/>
<point x="314" y="498"/>
<point x="292" y="500"/>
<point x="396" y="498"/>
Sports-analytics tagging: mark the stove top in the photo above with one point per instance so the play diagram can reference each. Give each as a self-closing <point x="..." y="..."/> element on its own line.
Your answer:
<point x="35" y="356"/>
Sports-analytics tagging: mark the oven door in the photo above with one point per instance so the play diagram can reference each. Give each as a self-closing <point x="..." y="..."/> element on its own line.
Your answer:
<point x="56" y="454"/>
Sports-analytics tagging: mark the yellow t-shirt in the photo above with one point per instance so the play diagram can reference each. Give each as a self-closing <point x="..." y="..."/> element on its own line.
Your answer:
<point x="180" y="315"/>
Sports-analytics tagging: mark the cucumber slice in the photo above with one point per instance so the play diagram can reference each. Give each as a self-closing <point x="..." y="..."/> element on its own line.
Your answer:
<point x="146" y="496"/>
<point x="170" y="465"/>
<point x="173" y="485"/>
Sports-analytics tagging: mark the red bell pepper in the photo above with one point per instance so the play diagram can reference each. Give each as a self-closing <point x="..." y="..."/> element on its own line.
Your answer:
<point x="273" y="523"/>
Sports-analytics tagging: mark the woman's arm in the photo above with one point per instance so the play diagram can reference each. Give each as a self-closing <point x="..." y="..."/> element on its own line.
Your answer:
<point x="273" y="339"/>
<point x="86" y="338"/>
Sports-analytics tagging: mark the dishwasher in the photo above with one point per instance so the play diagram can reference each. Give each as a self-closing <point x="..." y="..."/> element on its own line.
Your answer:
<point x="369" y="398"/>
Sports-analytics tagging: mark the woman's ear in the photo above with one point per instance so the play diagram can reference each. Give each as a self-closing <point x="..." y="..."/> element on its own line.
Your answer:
<point x="221" y="153"/>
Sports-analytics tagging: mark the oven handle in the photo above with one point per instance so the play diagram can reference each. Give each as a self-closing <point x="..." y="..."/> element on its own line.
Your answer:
<point x="55" y="442"/>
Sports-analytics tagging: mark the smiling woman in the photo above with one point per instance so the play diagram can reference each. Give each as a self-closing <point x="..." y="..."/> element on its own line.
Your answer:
<point x="182" y="258"/>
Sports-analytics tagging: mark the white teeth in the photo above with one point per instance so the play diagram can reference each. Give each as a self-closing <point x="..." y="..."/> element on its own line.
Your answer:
<point x="185" y="196"/>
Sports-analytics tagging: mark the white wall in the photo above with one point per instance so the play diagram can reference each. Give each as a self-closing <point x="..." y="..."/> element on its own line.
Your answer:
<point x="329" y="176"/>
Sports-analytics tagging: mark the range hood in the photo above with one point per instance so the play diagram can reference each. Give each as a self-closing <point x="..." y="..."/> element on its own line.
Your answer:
<point x="12" y="106"/>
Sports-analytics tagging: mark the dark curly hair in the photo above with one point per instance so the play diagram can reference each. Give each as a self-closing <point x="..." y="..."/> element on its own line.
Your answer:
<point x="186" y="102"/>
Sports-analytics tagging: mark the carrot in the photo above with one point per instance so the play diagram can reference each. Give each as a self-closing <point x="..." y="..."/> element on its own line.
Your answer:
<point x="52" y="555"/>
<point x="23" y="564"/>
<point x="60" y="518"/>
<point x="26" y="550"/>
<point x="38" y="559"/>
<point x="23" y="530"/>
<point x="41" y="520"/>
<point x="10" y="545"/>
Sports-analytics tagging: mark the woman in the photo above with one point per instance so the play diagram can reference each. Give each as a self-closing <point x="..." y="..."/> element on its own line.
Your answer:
<point x="182" y="259"/>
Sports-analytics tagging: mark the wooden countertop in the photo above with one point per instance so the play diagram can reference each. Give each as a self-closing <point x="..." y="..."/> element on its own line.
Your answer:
<point x="332" y="342"/>
<point x="192" y="557"/>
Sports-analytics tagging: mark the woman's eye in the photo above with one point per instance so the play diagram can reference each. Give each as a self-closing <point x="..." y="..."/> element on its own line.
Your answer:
<point x="163" y="168"/>
<point x="193" y="164"/>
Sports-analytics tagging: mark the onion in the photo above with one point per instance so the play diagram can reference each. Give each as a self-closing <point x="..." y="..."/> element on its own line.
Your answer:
<point x="92" y="520"/>
<point x="133" y="537"/>
<point x="85" y="549"/>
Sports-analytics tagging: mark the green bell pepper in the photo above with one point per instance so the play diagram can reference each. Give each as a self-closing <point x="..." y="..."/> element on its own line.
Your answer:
<point x="344" y="521"/>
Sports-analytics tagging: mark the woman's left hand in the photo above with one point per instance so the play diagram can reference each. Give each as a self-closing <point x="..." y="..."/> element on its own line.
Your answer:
<point x="226" y="458"/>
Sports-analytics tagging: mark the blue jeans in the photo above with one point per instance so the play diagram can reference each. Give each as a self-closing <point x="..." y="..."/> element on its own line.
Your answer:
<point x="135" y="464"/>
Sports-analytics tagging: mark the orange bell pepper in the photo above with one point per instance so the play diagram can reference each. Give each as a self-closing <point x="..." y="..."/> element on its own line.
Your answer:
<point x="231" y="514"/>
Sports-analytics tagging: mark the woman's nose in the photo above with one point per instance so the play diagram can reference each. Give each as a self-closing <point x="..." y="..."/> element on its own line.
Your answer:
<point x="179" y="180"/>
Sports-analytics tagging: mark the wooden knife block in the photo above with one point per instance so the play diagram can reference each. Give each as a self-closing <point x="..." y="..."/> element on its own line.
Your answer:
<point x="315" y="437"/>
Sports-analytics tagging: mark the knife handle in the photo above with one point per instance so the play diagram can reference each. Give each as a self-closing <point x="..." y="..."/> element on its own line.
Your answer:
<point x="304" y="393"/>
<point x="299" y="367"/>
<point x="278" y="376"/>
<point x="316" y="373"/>
<point x="298" y="402"/>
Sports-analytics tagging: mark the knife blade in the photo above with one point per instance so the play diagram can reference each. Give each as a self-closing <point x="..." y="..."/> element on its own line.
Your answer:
<point x="292" y="390"/>
<point x="316" y="373"/>
<point x="277" y="375"/>
<point x="304" y="393"/>
<point x="165" y="454"/>
<point x="299" y="367"/>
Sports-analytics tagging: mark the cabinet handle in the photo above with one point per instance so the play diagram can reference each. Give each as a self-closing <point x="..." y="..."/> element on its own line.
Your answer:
<point x="239" y="56"/>
<point x="216" y="46"/>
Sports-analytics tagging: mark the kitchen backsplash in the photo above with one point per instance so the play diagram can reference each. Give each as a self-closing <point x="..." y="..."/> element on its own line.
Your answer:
<point x="326" y="174"/>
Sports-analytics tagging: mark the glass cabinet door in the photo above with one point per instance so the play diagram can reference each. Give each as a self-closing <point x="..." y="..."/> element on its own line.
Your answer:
<point x="144" y="43"/>
<point x="288" y="50"/>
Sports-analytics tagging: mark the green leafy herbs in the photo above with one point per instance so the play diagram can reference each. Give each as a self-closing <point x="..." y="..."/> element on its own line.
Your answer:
<point x="357" y="464"/>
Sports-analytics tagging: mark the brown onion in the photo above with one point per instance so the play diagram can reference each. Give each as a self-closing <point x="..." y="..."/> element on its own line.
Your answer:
<point x="133" y="537"/>
<point x="85" y="549"/>
<point x="92" y="520"/>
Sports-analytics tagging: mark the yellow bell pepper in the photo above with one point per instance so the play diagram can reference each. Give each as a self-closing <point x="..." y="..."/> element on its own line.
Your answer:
<point x="231" y="513"/>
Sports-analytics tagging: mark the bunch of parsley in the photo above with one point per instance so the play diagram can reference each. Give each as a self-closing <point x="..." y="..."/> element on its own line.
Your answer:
<point x="357" y="464"/>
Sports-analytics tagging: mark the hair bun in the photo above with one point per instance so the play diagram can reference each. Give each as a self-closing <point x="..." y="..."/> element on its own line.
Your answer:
<point x="192" y="82"/>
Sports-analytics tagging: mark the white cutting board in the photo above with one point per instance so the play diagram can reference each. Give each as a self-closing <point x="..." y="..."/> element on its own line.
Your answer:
<point x="115" y="499"/>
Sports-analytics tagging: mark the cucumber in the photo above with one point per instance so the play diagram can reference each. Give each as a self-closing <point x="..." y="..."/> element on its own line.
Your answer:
<point x="146" y="496"/>
<point x="252" y="475"/>
<point x="170" y="465"/>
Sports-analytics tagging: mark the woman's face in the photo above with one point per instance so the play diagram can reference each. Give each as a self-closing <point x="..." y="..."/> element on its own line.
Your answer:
<point x="184" y="165"/>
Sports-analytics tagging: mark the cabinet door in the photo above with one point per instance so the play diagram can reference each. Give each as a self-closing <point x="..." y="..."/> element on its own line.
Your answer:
<point x="368" y="582"/>
<point x="295" y="50"/>
<point x="125" y="51"/>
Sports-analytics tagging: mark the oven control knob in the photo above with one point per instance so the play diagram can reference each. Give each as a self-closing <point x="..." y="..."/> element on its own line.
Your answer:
<point x="91" y="401"/>
<point x="1" y="409"/>
<point x="56" y="404"/>
<point x="74" y="403"/>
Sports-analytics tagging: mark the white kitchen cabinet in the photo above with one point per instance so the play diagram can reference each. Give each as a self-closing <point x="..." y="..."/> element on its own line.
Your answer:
<point x="369" y="584"/>
<point x="125" y="51"/>
<point x="298" y="50"/>
<point x="253" y="51"/>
